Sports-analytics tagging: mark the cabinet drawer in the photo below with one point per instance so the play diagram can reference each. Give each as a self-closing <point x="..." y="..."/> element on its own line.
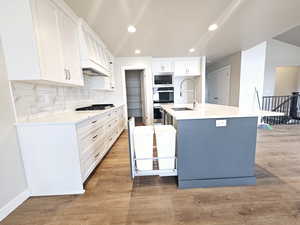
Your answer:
<point x="91" y="155"/>
<point x="84" y="152"/>
<point x="110" y="124"/>
<point x="91" y="138"/>
<point x="89" y="126"/>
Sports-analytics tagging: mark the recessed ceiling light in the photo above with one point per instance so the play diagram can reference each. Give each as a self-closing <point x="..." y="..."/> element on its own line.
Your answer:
<point x="192" y="50"/>
<point x="213" y="27"/>
<point x="137" y="51"/>
<point x="131" y="29"/>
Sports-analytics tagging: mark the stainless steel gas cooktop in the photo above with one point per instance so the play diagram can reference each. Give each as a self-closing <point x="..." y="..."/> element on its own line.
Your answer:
<point x="96" y="107"/>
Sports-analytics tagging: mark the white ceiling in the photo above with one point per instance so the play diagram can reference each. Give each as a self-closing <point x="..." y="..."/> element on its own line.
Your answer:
<point x="291" y="36"/>
<point x="171" y="27"/>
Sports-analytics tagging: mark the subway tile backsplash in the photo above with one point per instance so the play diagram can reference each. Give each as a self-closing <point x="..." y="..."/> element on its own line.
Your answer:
<point x="36" y="100"/>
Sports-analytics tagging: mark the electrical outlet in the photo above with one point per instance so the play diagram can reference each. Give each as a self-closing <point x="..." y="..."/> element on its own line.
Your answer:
<point x="221" y="123"/>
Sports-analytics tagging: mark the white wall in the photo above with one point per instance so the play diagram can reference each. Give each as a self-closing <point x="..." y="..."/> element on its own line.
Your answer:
<point x="235" y="64"/>
<point x="298" y="83"/>
<point x="125" y="63"/>
<point x="201" y="87"/>
<point x="252" y="76"/>
<point x="34" y="100"/>
<point x="12" y="177"/>
<point x="278" y="54"/>
<point x="287" y="80"/>
<point x="188" y="87"/>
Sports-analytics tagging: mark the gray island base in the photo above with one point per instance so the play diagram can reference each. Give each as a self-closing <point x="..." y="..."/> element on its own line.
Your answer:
<point x="216" y="145"/>
<point x="210" y="156"/>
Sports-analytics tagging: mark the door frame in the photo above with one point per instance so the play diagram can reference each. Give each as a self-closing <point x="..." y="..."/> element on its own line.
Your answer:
<point x="227" y="67"/>
<point x="147" y="100"/>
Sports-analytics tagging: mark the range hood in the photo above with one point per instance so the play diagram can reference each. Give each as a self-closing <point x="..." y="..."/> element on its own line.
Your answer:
<point x="94" y="72"/>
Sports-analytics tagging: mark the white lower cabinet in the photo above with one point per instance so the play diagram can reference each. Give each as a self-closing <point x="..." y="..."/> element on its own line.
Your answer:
<point x="101" y="135"/>
<point x="59" y="157"/>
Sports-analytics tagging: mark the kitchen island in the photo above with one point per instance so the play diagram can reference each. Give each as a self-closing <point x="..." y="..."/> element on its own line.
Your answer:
<point x="216" y="144"/>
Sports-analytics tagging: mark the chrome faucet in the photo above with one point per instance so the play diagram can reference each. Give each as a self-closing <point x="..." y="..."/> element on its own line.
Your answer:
<point x="194" y="87"/>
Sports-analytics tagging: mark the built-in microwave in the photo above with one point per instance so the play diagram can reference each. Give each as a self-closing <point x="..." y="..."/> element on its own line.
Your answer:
<point x="163" y="79"/>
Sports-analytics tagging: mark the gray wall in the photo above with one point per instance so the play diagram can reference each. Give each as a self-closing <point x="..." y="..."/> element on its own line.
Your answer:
<point x="12" y="178"/>
<point x="235" y="63"/>
<point x="278" y="54"/>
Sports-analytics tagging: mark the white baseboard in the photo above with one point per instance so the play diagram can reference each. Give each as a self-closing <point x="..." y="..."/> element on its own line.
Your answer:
<point x="13" y="204"/>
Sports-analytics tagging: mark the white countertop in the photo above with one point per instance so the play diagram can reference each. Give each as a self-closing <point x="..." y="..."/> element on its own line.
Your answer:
<point x="70" y="117"/>
<point x="206" y="111"/>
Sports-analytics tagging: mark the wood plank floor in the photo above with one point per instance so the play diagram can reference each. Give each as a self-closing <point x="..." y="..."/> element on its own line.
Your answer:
<point x="112" y="198"/>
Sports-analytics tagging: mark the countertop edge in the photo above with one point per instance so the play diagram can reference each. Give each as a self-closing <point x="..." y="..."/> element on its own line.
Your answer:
<point x="75" y="122"/>
<point x="175" y="115"/>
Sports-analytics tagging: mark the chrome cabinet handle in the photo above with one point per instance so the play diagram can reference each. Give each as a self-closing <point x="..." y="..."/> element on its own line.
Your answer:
<point x="95" y="137"/>
<point x="66" y="74"/>
<point x="69" y="74"/>
<point x="96" y="156"/>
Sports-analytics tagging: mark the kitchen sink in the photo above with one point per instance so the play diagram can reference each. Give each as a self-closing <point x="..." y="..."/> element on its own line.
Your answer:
<point x="181" y="109"/>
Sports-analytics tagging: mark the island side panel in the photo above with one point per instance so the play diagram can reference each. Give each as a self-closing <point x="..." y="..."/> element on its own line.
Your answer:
<point x="216" y="156"/>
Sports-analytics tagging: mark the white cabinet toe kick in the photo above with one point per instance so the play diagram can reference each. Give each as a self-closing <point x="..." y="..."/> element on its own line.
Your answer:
<point x="58" y="158"/>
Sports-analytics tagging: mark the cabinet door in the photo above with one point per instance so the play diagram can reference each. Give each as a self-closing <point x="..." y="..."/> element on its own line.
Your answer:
<point x="106" y="59"/>
<point x="162" y="67"/>
<point x="193" y="67"/>
<point x="180" y="68"/>
<point x="49" y="44"/>
<point x="187" y="68"/>
<point x="101" y="55"/>
<point x="91" y="46"/>
<point x="70" y="47"/>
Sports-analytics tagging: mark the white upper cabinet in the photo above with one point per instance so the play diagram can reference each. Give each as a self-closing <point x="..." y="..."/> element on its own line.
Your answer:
<point x="70" y="49"/>
<point x="41" y="44"/>
<point x="51" y="59"/>
<point x="95" y="58"/>
<point x="162" y="66"/>
<point x="187" y="67"/>
<point x="104" y="83"/>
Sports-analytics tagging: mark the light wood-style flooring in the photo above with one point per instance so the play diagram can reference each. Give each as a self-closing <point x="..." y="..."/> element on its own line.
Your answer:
<point x="112" y="198"/>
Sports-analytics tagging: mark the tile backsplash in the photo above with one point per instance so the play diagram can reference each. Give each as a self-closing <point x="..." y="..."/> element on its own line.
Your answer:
<point x="36" y="100"/>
